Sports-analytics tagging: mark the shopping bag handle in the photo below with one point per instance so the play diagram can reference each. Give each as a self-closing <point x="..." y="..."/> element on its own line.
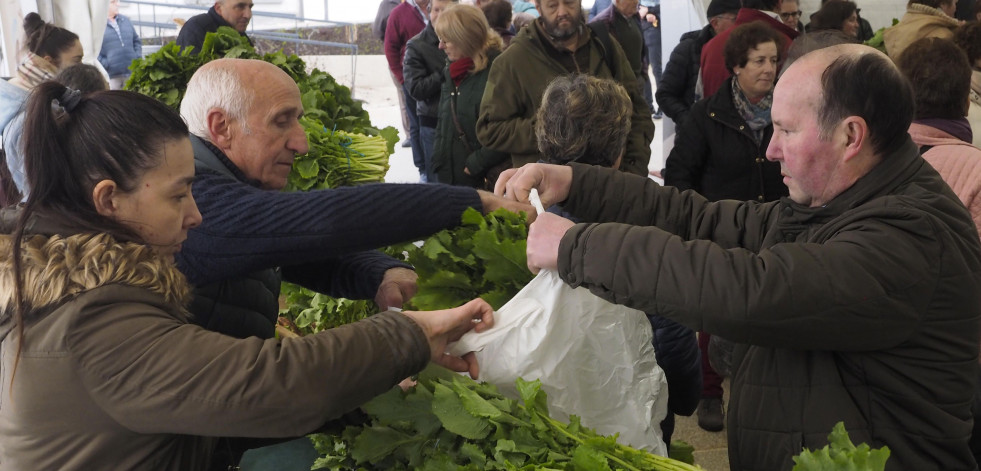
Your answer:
<point x="535" y="200"/>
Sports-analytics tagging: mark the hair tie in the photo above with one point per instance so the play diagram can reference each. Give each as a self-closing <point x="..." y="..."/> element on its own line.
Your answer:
<point x="70" y="99"/>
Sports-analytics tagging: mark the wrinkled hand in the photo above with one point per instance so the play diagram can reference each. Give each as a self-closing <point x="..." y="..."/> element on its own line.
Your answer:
<point x="543" y="241"/>
<point x="397" y="286"/>
<point x="552" y="182"/>
<point x="448" y="325"/>
<point x="492" y="202"/>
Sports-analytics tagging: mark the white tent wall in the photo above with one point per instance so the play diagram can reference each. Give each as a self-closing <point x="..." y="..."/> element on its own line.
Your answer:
<point x="86" y="18"/>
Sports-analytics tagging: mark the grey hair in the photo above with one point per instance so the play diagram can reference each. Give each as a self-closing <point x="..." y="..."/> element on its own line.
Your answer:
<point x="215" y="87"/>
<point x="583" y="119"/>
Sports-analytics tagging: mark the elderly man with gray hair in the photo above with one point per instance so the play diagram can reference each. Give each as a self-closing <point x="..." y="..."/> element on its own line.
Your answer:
<point x="243" y="116"/>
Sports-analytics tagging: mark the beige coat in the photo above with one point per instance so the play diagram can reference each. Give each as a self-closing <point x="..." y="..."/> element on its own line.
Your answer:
<point x="111" y="375"/>
<point x="920" y="21"/>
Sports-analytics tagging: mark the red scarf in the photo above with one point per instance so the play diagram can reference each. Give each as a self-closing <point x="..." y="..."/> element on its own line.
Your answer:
<point x="459" y="69"/>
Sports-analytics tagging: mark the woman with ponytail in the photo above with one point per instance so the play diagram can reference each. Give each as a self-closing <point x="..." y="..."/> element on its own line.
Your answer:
<point x="471" y="46"/>
<point x="50" y="49"/>
<point x="100" y="367"/>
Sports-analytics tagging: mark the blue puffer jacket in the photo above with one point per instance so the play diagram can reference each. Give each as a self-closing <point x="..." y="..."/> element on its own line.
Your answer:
<point x="119" y="49"/>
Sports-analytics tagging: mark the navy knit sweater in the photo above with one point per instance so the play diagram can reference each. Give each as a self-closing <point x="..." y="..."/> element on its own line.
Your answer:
<point x="311" y="234"/>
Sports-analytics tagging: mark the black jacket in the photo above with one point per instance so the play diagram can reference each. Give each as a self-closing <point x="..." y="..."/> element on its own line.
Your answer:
<point x="715" y="154"/>
<point x="423" y="72"/>
<point x="676" y="93"/>
<point x="194" y="30"/>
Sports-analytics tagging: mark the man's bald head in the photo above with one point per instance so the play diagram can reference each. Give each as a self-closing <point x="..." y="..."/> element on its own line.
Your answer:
<point x="229" y="85"/>
<point x="854" y="80"/>
<point x="250" y="111"/>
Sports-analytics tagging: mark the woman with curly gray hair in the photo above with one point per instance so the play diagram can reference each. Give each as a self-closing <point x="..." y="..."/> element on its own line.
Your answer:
<point x="583" y="119"/>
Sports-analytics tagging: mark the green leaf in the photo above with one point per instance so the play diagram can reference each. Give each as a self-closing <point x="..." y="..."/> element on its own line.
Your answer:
<point x="533" y="396"/>
<point x="589" y="459"/>
<point x="307" y="168"/>
<point x="414" y="408"/>
<point x="448" y="406"/>
<point x="378" y="442"/>
<point x="473" y="454"/>
<point x="474" y="404"/>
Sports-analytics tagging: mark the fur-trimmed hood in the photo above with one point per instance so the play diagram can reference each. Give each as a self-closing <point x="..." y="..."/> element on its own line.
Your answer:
<point x="57" y="268"/>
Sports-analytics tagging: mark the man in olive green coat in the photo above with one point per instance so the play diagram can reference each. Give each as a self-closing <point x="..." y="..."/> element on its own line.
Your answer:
<point x="557" y="43"/>
<point x="856" y="299"/>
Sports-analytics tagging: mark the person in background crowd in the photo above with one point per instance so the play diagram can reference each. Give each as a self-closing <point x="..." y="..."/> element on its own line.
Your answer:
<point x="583" y="119"/>
<point x="676" y="93"/>
<point x="385" y="8"/>
<point x="790" y="15"/>
<point x="623" y="22"/>
<point x="232" y="13"/>
<point x="809" y="42"/>
<point x="82" y="77"/>
<point x="841" y="15"/>
<point x="499" y="14"/>
<point x="520" y="20"/>
<point x="968" y="38"/>
<point x="719" y="152"/>
<point x="941" y="77"/>
<point x="854" y="300"/>
<point x="422" y="71"/>
<point x="471" y="48"/>
<point x="598" y="6"/>
<point x="254" y="236"/>
<point x="101" y="365"/>
<point x="966" y="10"/>
<point x="378" y="31"/>
<point x="713" y="69"/>
<point x="521" y="6"/>
<point x="865" y="31"/>
<point x="650" y="27"/>
<point x="120" y="46"/>
<point x="587" y="120"/>
<point x="49" y="50"/>
<point x="923" y="19"/>
<point x="559" y="43"/>
<point x="404" y="23"/>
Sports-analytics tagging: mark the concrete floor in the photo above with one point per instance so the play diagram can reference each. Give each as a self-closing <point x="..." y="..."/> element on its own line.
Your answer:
<point x="711" y="450"/>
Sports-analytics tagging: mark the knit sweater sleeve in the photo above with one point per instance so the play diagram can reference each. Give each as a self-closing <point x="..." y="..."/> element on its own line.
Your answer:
<point x="353" y="276"/>
<point x="245" y="228"/>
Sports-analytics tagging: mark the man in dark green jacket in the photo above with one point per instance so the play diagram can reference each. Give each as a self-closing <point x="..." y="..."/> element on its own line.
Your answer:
<point x="857" y="298"/>
<point x="557" y="43"/>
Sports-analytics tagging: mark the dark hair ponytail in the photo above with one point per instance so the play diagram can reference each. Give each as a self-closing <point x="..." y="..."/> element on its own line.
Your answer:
<point x="46" y="39"/>
<point x="68" y="149"/>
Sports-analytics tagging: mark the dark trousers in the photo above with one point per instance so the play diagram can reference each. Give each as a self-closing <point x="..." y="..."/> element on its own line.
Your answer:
<point x="711" y="381"/>
<point x="418" y="155"/>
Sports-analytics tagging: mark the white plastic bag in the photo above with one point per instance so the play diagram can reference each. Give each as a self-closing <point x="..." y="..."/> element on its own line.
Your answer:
<point x="594" y="359"/>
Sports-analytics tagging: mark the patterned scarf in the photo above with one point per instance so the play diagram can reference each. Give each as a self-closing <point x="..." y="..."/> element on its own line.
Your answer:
<point x="757" y="116"/>
<point x="34" y="70"/>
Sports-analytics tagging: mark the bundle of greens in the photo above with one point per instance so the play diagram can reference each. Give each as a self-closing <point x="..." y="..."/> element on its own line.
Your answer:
<point x="450" y="422"/>
<point x="842" y="455"/>
<point x="484" y="257"/>
<point x="337" y="158"/>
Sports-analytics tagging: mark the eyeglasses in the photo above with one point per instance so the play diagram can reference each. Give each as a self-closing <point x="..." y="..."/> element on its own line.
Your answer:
<point x="789" y="15"/>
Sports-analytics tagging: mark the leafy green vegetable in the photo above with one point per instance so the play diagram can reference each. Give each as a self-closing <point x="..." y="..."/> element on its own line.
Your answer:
<point x="476" y="429"/>
<point x="842" y="455"/>
<point x="483" y="257"/>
